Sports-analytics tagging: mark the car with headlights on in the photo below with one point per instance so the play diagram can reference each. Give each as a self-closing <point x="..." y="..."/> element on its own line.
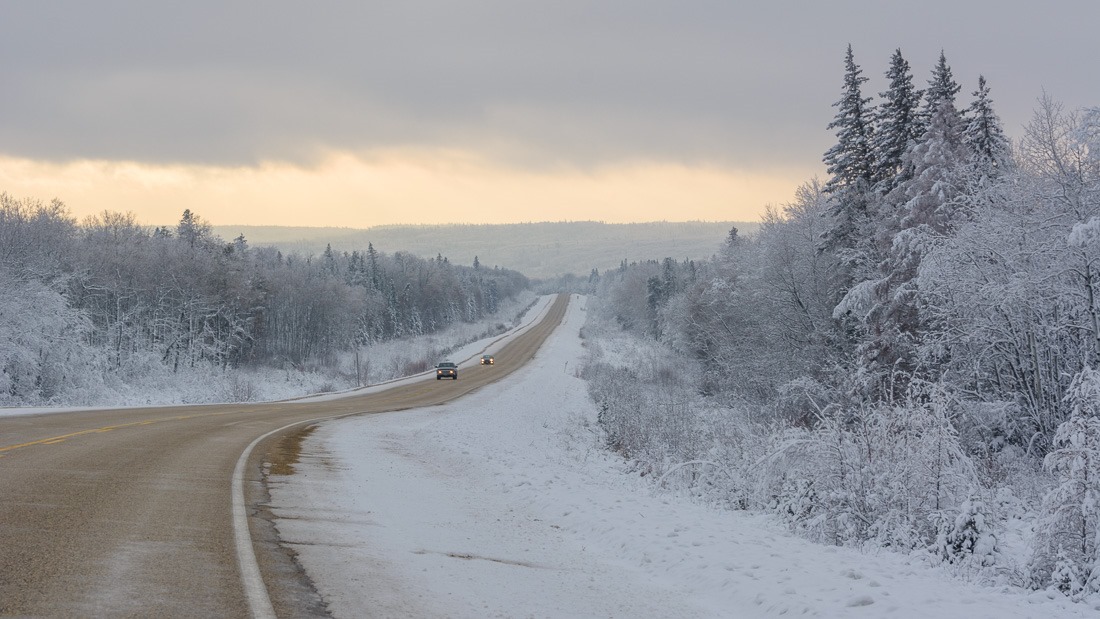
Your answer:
<point x="446" y="369"/>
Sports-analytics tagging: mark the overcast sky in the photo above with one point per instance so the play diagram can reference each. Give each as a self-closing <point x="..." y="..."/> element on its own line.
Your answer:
<point x="488" y="111"/>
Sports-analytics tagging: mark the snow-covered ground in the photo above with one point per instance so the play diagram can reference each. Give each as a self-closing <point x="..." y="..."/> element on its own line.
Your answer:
<point x="502" y="504"/>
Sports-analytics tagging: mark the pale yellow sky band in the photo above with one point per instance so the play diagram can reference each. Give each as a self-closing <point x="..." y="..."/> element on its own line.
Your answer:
<point x="426" y="187"/>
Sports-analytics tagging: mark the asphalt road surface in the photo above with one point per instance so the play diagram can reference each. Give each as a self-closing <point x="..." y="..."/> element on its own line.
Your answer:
<point x="130" y="512"/>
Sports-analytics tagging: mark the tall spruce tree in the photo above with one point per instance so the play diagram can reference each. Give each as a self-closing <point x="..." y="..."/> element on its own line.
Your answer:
<point x="898" y="125"/>
<point x="851" y="164"/>
<point x="941" y="87"/>
<point x="373" y="267"/>
<point x="989" y="148"/>
<point x="850" y="161"/>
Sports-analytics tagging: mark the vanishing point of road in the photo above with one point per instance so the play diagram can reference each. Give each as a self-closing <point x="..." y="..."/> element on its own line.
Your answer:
<point x="162" y="512"/>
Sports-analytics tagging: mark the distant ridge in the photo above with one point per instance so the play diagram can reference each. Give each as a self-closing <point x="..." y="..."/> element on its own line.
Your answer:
<point x="539" y="250"/>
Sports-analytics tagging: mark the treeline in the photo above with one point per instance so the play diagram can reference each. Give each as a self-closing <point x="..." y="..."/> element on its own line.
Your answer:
<point x="539" y="250"/>
<point x="108" y="296"/>
<point x="917" y="337"/>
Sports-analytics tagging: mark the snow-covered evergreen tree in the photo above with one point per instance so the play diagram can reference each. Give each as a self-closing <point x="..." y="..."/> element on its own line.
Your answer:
<point x="971" y="537"/>
<point x="850" y="162"/>
<point x="1066" y="577"/>
<point x="941" y="87"/>
<point x="988" y="146"/>
<point x="1068" y="532"/>
<point x="897" y="125"/>
<point x="937" y="160"/>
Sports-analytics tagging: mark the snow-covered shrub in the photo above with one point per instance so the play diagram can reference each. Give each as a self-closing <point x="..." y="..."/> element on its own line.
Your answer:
<point x="647" y="418"/>
<point x="971" y="536"/>
<point x="797" y="501"/>
<point x="240" y="389"/>
<point x="1066" y="578"/>
<point x="895" y="475"/>
<point x="650" y="411"/>
<point x="619" y="405"/>
<point x="1068" y="531"/>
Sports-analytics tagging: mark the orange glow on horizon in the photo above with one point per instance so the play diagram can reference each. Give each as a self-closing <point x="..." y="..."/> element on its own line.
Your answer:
<point x="401" y="188"/>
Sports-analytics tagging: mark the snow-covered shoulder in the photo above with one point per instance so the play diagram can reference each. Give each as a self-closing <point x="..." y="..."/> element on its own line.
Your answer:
<point x="505" y="504"/>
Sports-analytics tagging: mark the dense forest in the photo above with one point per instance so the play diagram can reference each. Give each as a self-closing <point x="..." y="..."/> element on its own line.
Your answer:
<point x="906" y="355"/>
<point x="108" y="299"/>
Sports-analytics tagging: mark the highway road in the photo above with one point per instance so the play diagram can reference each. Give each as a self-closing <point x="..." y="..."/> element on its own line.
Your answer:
<point x="138" y="512"/>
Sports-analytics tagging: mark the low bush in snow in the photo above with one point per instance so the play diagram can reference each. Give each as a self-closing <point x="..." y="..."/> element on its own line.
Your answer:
<point x="894" y="475"/>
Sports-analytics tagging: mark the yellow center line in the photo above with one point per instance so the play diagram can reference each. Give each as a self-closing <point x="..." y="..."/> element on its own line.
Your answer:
<point x="53" y="440"/>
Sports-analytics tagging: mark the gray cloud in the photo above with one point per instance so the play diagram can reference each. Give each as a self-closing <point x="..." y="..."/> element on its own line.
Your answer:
<point x="579" y="83"/>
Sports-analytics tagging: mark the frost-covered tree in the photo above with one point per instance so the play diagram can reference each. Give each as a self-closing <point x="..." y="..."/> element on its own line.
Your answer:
<point x="988" y="146"/>
<point x="936" y="160"/>
<point x="192" y="229"/>
<point x="43" y="359"/>
<point x="1084" y="241"/>
<point x="36" y="238"/>
<point x="1010" y="302"/>
<point x="850" y="160"/>
<point x="850" y="164"/>
<point x="970" y="537"/>
<point x="942" y="87"/>
<point x="983" y="289"/>
<point x="897" y="125"/>
<point x="328" y="261"/>
<point x="1067" y="549"/>
<point x="799" y="286"/>
<point x="1057" y="156"/>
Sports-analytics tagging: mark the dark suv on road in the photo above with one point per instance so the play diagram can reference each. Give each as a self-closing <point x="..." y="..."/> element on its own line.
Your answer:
<point x="446" y="369"/>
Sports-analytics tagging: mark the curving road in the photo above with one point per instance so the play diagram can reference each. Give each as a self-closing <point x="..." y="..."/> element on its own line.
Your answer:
<point x="130" y="512"/>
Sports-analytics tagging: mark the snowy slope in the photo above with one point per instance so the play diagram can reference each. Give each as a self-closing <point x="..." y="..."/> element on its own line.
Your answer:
<point x="502" y="504"/>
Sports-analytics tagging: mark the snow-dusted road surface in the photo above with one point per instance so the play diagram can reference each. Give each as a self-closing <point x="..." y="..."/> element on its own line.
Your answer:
<point x="501" y="504"/>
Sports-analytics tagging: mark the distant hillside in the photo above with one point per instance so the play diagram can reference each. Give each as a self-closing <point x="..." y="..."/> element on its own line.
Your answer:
<point x="539" y="250"/>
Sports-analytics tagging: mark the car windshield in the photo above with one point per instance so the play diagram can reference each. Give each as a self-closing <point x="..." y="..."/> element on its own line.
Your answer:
<point x="446" y="364"/>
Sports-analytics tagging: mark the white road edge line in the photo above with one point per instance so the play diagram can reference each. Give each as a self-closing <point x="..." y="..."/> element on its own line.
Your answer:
<point x="259" y="603"/>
